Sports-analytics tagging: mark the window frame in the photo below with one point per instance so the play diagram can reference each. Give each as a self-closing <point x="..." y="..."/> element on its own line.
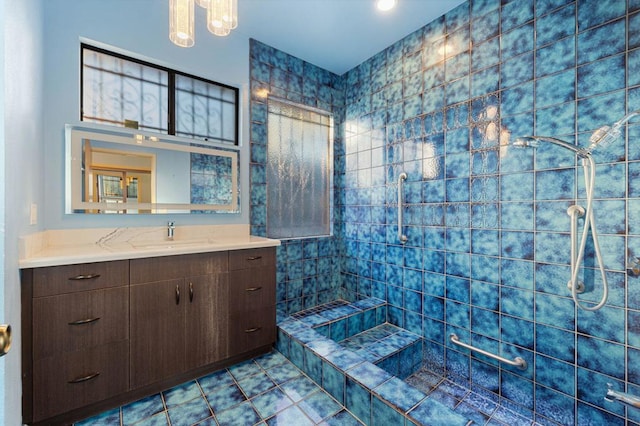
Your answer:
<point x="171" y="88"/>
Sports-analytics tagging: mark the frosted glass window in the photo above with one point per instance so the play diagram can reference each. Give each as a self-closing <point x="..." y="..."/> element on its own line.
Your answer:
<point x="122" y="91"/>
<point x="299" y="171"/>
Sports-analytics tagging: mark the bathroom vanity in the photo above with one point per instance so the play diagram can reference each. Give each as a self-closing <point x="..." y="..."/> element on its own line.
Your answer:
<point x="150" y="314"/>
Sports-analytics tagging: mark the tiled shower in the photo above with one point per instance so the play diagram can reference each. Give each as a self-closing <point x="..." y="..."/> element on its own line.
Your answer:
<point x="487" y="255"/>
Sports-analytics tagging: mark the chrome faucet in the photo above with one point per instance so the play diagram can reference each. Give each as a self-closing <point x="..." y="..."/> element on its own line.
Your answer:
<point x="623" y="397"/>
<point x="170" y="228"/>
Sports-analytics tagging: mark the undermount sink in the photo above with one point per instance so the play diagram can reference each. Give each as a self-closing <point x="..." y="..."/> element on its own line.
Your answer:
<point x="170" y="244"/>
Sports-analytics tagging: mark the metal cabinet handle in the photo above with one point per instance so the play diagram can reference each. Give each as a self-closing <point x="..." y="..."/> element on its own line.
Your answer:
<point x="252" y="329"/>
<point x="84" y="277"/>
<point x="253" y="289"/>
<point x="84" y="378"/>
<point x="190" y="292"/>
<point x="84" y="321"/>
<point x="254" y="258"/>
<point x="177" y="295"/>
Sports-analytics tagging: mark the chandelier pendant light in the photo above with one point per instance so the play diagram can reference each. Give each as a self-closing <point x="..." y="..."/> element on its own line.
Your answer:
<point x="181" y="30"/>
<point x="222" y="17"/>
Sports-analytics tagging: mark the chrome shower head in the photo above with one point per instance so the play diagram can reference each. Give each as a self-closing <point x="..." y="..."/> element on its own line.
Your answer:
<point x="607" y="134"/>
<point x="604" y="136"/>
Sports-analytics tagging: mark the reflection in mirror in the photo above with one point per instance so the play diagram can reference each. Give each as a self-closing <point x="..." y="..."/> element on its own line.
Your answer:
<point x="116" y="176"/>
<point x="124" y="171"/>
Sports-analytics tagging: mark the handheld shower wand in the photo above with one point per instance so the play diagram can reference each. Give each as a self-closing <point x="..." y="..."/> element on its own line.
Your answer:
<point x="601" y="137"/>
<point x="575" y="211"/>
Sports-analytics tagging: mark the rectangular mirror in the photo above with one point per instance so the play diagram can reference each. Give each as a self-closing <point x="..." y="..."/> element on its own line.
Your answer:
<point x="128" y="171"/>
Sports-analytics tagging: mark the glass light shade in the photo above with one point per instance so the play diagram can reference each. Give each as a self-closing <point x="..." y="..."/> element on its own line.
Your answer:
<point x="203" y="3"/>
<point x="233" y="15"/>
<point x="222" y="16"/>
<point x="385" y="5"/>
<point x="181" y="30"/>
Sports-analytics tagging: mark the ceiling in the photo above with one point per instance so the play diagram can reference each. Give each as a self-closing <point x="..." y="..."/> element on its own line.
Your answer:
<point x="335" y="35"/>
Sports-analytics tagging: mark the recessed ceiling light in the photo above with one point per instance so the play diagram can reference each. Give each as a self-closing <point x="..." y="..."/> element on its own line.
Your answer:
<point x="385" y="5"/>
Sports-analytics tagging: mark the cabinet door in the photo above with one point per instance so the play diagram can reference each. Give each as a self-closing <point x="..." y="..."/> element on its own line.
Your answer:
<point x="207" y="319"/>
<point x="157" y="330"/>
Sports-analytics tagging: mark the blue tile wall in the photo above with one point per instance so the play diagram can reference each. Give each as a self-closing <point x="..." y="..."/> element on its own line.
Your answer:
<point x="488" y="231"/>
<point x="308" y="270"/>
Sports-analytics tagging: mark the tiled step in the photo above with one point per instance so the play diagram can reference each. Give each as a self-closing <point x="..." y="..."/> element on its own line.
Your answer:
<point x="395" y="350"/>
<point x="375" y="394"/>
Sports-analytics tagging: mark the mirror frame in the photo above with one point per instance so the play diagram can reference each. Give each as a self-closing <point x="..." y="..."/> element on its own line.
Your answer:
<point x="122" y="137"/>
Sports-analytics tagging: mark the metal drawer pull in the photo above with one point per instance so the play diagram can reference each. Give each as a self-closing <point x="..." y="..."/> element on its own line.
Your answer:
<point x="519" y="362"/>
<point x="84" y="379"/>
<point x="84" y="277"/>
<point x="84" y="321"/>
<point x="252" y="330"/>
<point x="254" y="258"/>
<point x="253" y="289"/>
<point x="190" y="292"/>
<point x="177" y="295"/>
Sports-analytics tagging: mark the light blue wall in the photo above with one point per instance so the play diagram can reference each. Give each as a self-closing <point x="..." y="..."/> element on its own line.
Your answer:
<point x="21" y="170"/>
<point x="3" y="363"/>
<point x="488" y="250"/>
<point x="138" y="28"/>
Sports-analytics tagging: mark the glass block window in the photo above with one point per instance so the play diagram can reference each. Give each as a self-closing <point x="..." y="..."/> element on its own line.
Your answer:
<point x="122" y="91"/>
<point x="299" y="171"/>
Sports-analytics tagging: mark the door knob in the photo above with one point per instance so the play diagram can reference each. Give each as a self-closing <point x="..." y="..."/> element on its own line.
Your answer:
<point x="5" y="339"/>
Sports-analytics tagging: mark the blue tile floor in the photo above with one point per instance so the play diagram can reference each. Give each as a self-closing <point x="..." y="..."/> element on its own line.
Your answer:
<point x="267" y="390"/>
<point x="270" y="390"/>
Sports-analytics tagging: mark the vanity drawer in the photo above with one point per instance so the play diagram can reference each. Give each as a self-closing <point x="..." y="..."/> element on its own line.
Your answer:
<point x="251" y="289"/>
<point x="252" y="258"/>
<point x="164" y="268"/>
<point x="75" y="321"/>
<point x="251" y="330"/>
<point x="75" y="379"/>
<point x="55" y="280"/>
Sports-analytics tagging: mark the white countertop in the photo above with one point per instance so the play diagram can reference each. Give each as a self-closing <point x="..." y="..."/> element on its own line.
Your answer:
<point x="73" y="246"/>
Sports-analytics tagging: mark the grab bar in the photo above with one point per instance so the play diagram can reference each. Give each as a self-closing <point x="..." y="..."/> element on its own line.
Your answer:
<point x="575" y="211"/>
<point x="516" y="362"/>
<point x="403" y="238"/>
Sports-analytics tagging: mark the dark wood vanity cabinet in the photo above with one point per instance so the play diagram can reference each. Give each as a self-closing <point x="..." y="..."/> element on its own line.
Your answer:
<point x="76" y="329"/>
<point x="99" y="335"/>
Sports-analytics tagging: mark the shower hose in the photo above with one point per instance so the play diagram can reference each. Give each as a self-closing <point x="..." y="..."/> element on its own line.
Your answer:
<point x="589" y="167"/>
